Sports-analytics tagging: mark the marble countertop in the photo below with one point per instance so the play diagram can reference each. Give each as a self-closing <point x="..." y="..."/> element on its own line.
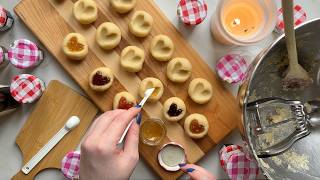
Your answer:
<point x="199" y="37"/>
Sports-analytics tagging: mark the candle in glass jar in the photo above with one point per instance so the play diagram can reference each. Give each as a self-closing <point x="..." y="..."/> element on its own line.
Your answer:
<point x="243" y="22"/>
<point x="242" y="18"/>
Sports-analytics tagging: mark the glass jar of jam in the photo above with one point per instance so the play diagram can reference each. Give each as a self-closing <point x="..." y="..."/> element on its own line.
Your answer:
<point x="152" y="131"/>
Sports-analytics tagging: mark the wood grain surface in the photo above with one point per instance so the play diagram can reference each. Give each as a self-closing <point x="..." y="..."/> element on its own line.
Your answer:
<point x="52" y="20"/>
<point x="56" y="106"/>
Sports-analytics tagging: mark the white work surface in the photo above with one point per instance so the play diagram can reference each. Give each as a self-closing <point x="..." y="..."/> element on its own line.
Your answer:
<point x="199" y="37"/>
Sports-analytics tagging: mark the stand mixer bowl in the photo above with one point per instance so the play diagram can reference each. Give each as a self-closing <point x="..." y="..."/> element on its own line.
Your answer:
<point x="263" y="80"/>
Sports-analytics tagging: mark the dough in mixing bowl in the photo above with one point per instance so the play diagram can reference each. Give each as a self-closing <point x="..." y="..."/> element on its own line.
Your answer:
<point x="148" y="83"/>
<point x="101" y="79"/>
<point x="174" y="109"/>
<point x="108" y="35"/>
<point x="200" y="90"/>
<point x="132" y="58"/>
<point x="179" y="70"/>
<point x="85" y="11"/>
<point x="75" y="46"/>
<point x="162" y="48"/>
<point x="141" y="24"/>
<point x="196" y="126"/>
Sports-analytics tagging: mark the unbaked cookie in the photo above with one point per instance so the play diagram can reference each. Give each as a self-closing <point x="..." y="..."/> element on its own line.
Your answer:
<point x="123" y="100"/>
<point x="162" y="48"/>
<point x="174" y="109"/>
<point x="200" y="90"/>
<point x="123" y="6"/>
<point x="196" y="126"/>
<point x="141" y="24"/>
<point x="148" y="83"/>
<point x="101" y="79"/>
<point x="75" y="46"/>
<point x="132" y="58"/>
<point x="108" y="35"/>
<point x="85" y="11"/>
<point x="179" y="70"/>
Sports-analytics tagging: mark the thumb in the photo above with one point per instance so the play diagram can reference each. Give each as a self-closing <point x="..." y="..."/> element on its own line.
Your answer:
<point x="132" y="139"/>
<point x="196" y="172"/>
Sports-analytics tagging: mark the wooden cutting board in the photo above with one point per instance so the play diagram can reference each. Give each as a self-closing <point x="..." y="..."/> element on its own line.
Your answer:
<point x="52" y="20"/>
<point x="56" y="106"/>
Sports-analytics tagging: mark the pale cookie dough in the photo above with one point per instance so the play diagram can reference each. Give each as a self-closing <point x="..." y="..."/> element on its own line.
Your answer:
<point x="200" y="90"/>
<point x="174" y="109"/>
<point x="101" y="79"/>
<point x="123" y="100"/>
<point x="75" y="46"/>
<point x="141" y="24"/>
<point x="108" y="35"/>
<point x="122" y="6"/>
<point x="196" y="126"/>
<point x="151" y="82"/>
<point x="162" y="48"/>
<point x="132" y="58"/>
<point x="179" y="70"/>
<point x="85" y="11"/>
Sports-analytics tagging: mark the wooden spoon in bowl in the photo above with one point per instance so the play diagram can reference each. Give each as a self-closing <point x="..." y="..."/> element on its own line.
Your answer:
<point x="297" y="77"/>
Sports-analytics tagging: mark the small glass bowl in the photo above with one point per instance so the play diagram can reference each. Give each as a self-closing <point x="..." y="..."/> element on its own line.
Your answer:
<point x="153" y="131"/>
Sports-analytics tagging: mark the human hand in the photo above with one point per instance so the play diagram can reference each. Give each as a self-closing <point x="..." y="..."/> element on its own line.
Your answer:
<point x="101" y="158"/>
<point x="196" y="172"/>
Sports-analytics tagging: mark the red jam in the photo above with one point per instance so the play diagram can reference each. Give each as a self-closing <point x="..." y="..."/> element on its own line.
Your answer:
<point x="100" y="80"/>
<point x="195" y="127"/>
<point x="124" y="104"/>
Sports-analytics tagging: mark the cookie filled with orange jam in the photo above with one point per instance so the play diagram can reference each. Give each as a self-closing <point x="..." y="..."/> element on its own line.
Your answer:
<point x="123" y="100"/>
<point x="75" y="46"/>
<point x="196" y="126"/>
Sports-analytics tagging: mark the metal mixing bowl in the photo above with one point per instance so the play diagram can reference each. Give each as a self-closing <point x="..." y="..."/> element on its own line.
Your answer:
<point x="302" y="161"/>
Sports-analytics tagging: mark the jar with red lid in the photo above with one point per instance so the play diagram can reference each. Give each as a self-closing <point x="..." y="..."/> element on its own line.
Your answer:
<point x="6" y="20"/>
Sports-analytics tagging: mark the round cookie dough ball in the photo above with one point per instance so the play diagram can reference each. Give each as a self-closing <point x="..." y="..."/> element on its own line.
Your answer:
<point x="162" y="48"/>
<point x="141" y="24"/>
<point x="200" y="90"/>
<point x="122" y="6"/>
<point x="174" y="109"/>
<point x="101" y="79"/>
<point x="75" y="46"/>
<point x="179" y="70"/>
<point x="123" y="100"/>
<point x="85" y="11"/>
<point x="148" y="83"/>
<point x="132" y="58"/>
<point x="108" y="35"/>
<point x="196" y="126"/>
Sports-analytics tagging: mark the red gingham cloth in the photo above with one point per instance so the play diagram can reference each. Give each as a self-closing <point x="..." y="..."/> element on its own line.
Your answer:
<point x="232" y="68"/>
<point x="24" y="54"/>
<point x="26" y="88"/>
<point x="3" y="16"/>
<point x="70" y="165"/>
<point x="299" y="17"/>
<point x="192" y="12"/>
<point x="237" y="164"/>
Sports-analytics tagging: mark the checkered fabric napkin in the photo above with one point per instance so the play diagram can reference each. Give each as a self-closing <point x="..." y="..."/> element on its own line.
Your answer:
<point x="70" y="165"/>
<point x="24" y="54"/>
<point x="299" y="17"/>
<point x="232" y="68"/>
<point x="237" y="164"/>
<point x="3" y="16"/>
<point x="192" y="12"/>
<point x="26" y="88"/>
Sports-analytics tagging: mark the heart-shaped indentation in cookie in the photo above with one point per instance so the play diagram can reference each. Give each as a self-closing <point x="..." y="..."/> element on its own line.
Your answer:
<point x="86" y="9"/>
<point x="178" y="68"/>
<point x="174" y="110"/>
<point x="156" y="88"/>
<point x="201" y="90"/>
<point x="162" y="48"/>
<point x="99" y="79"/>
<point x="196" y="127"/>
<point x="132" y="57"/>
<point x="108" y="35"/>
<point x="141" y="22"/>
<point x="74" y="45"/>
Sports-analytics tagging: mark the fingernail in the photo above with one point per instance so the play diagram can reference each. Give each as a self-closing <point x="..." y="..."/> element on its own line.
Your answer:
<point x="137" y="106"/>
<point x="182" y="164"/>
<point x="138" y="118"/>
<point x="190" y="170"/>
